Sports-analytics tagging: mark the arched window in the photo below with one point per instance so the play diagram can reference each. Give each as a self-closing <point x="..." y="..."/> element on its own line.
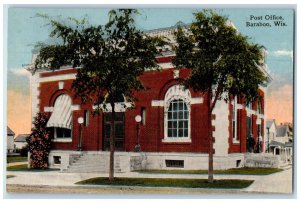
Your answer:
<point x="61" y="117"/>
<point x="177" y="105"/>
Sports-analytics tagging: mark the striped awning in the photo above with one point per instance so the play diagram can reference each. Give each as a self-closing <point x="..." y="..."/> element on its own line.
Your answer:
<point x="62" y="113"/>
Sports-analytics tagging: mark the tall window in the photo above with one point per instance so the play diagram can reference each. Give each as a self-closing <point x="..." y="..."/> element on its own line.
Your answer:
<point x="86" y="117"/>
<point x="143" y="114"/>
<point x="177" y="111"/>
<point x="259" y="107"/>
<point x="234" y="118"/>
<point x="178" y="122"/>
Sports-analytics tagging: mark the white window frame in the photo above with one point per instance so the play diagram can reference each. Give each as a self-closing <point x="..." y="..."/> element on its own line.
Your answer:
<point x="234" y="111"/>
<point x="178" y="120"/>
<point x="177" y="92"/>
<point x="259" y="108"/>
<point x="59" y="139"/>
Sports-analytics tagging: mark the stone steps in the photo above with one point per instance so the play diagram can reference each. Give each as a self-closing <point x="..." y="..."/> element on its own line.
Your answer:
<point x="93" y="163"/>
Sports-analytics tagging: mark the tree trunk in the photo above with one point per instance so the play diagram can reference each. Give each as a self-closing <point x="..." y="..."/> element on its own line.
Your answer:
<point x="210" y="138"/>
<point x="112" y="143"/>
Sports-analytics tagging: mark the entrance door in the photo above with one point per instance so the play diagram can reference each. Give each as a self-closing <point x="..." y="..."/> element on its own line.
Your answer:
<point x="119" y="131"/>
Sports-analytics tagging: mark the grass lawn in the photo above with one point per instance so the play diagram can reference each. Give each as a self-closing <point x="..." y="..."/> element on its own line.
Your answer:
<point x="23" y="167"/>
<point x="233" y="171"/>
<point x="169" y="182"/>
<point x="12" y="159"/>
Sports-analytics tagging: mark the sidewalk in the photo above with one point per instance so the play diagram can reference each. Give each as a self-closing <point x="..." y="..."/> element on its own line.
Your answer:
<point x="280" y="182"/>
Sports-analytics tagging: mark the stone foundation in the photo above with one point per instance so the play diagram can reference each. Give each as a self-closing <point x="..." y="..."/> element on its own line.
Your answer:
<point x="131" y="161"/>
<point x="262" y="160"/>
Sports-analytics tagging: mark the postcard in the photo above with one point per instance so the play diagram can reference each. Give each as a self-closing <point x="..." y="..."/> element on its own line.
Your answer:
<point x="151" y="101"/>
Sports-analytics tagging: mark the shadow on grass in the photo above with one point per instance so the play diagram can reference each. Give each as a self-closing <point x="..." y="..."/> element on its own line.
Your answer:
<point x="169" y="182"/>
<point x="23" y="167"/>
<point x="233" y="171"/>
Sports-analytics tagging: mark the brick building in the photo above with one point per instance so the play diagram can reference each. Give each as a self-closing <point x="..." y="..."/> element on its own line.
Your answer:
<point x="173" y="132"/>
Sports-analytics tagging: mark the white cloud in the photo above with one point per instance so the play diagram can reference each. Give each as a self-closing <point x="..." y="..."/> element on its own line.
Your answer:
<point x="21" y="72"/>
<point x="283" y="53"/>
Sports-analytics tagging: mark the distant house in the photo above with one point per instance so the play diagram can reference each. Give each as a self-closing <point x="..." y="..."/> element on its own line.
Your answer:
<point x="278" y="140"/>
<point x="10" y="140"/>
<point x="20" y="141"/>
<point x="271" y="133"/>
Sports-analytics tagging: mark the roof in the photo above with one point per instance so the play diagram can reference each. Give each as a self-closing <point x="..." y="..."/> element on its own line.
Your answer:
<point x="179" y="23"/>
<point x="10" y="132"/>
<point x="270" y="122"/>
<point x="275" y="144"/>
<point x="21" y="138"/>
<point x="281" y="130"/>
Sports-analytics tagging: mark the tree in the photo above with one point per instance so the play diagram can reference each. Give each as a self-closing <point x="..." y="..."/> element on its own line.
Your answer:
<point x="222" y="63"/>
<point x="112" y="58"/>
<point x="39" y="142"/>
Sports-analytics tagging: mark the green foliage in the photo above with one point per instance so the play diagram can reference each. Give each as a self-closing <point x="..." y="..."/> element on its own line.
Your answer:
<point x="169" y="182"/>
<point x="111" y="56"/>
<point x="39" y="142"/>
<point x="220" y="58"/>
<point x="24" y="167"/>
<point x="13" y="159"/>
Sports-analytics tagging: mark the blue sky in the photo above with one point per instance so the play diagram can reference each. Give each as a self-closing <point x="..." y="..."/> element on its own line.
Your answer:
<point x="25" y="30"/>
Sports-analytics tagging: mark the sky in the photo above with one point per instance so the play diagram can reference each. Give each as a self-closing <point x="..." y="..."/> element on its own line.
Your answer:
<point x="24" y="30"/>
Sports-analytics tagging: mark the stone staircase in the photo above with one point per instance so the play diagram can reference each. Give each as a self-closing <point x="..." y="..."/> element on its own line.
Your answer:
<point x="92" y="163"/>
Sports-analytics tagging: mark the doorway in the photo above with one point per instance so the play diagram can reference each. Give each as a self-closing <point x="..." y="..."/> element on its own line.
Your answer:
<point x="119" y="131"/>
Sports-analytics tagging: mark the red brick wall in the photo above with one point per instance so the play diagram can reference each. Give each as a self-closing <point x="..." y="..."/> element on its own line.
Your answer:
<point x="152" y="133"/>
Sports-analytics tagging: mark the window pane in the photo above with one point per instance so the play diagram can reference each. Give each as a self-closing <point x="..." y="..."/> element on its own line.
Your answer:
<point x="169" y="133"/>
<point x="174" y="132"/>
<point x="175" y="106"/>
<point x="63" y="133"/>
<point x="180" y="124"/>
<point x="180" y="133"/>
<point x="233" y="129"/>
<point x="180" y="115"/>
<point x="170" y="115"/>
<point x="185" y="124"/>
<point x="174" y="124"/>
<point x="185" y="132"/>
<point x="181" y="105"/>
<point x="185" y="115"/>
<point x="175" y="116"/>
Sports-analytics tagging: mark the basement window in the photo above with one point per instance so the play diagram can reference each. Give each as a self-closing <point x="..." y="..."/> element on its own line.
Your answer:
<point x="57" y="160"/>
<point x="175" y="163"/>
<point x="238" y="163"/>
